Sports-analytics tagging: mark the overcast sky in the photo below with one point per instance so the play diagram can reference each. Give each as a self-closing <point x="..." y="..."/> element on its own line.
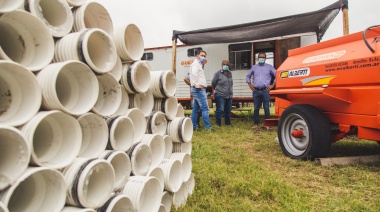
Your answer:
<point x="157" y="19"/>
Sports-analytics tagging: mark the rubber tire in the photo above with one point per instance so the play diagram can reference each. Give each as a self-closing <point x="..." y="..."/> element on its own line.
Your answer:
<point x="317" y="140"/>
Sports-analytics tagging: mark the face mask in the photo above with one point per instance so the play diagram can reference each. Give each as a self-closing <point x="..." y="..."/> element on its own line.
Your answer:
<point x="201" y="59"/>
<point x="261" y="60"/>
<point x="225" y="68"/>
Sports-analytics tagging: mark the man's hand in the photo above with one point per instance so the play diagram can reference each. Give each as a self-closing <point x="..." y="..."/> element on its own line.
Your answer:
<point x="270" y="87"/>
<point x="251" y="87"/>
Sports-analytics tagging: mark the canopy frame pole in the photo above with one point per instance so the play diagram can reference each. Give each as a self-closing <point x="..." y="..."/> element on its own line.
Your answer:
<point x="346" y="26"/>
<point x="174" y="56"/>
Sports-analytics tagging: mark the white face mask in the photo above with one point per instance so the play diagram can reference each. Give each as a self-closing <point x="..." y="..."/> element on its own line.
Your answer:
<point x="261" y="60"/>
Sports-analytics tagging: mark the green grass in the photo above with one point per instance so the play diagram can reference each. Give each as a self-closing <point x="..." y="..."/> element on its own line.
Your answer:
<point x="237" y="168"/>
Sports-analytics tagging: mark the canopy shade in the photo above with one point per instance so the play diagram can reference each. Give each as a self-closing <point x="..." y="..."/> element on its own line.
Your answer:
<point x="316" y="21"/>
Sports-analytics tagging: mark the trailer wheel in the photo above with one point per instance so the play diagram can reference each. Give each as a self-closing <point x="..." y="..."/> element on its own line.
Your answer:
<point x="304" y="132"/>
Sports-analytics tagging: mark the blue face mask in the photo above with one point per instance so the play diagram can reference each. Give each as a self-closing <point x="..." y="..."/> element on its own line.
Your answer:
<point x="201" y="59"/>
<point x="225" y="68"/>
<point x="261" y="60"/>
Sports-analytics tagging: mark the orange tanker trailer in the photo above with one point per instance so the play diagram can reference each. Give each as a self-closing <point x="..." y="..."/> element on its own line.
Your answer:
<point x="326" y="91"/>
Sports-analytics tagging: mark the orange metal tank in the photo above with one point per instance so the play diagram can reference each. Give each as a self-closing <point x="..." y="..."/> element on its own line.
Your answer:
<point x="340" y="79"/>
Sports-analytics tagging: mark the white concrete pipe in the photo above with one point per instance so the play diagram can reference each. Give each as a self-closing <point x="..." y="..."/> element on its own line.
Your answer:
<point x="139" y="122"/>
<point x="124" y="104"/>
<point x="129" y="42"/>
<point x="157" y="123"/>
<point x="117" y="70"/>
<point x="166" y="200"/>
<point x="182" y="147"/>
<point x="167" y="106"/>
<point x="91" y="46"/>
<point x="172" y="173"/>
<point x="90" y="182"/>
<point x="76" y="209"/>
<point x="141" y="158"/>
<point x="186" y="164"/>
<point x="163" y="84"/>
<point x="158" y="173"/>
<point x="144" y="192"/>
<point x="56" y="14"/>
<point x="157" y="146"/>
<point x="56" y="138"/>
<point x="10" y="5"/>
<point x="136" y="77"/>
<point x="94" y="135"/>
<point x="143" y="101"/>
<point x="76" y="3"/>
<point x="191" y="184"/>
<point x="25" y="39"/>
<point x="168" y="146"/>
<point x="92" y="15"/>
<point x="20" y="94"/>
<point x="117" y="203"/>
<point x="179" y="198"/>
<point x="121" y="164"/>
<point x="38" y="189"/>
<point x="180" y="111"/>
<point x="180" y="129"/>
<point x="162" y="208"/>
<point x="3" y="208"/>
<point x="14" y="155"/>
<point x="109" y="97"/>
<point x="121" y="133"/>
<point x="69" y="86"/>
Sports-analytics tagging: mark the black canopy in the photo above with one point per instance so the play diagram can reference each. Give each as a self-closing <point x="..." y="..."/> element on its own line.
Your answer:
<point x="317" y="22"/>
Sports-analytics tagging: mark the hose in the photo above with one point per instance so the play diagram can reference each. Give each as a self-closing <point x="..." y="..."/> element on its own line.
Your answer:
<point x="365" y="38"/>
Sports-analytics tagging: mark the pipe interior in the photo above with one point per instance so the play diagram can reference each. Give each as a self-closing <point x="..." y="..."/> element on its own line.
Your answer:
<point x="134" y="42"/>
<point x="53" y="11"/>
<point x="141" y="77"/>
<point x="101" y="51"/>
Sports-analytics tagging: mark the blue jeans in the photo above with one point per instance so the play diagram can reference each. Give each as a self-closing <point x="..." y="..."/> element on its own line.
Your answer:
<point x="223" y="105"/>
<point x="260" y="97"/>
<point x="200" y="102"/>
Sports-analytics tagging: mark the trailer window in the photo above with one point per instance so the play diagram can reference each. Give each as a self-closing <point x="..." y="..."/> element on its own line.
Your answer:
<point x="240" y="56"/>
<point x="193" y="52"/>
<point x="147" y="56"/>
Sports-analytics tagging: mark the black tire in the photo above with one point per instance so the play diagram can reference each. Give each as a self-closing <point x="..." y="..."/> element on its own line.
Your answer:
<point x="316" y="142"/>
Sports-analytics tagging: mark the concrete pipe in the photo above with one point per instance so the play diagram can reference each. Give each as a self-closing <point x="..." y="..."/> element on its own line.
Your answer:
<point x="10" y="5"/>
<point x="76" y="3"/>
<point x="180" y="111"/>
<point x="93" y="47"/>
<point x="92" y="15"/>
<point x="94" y="135"/>
<point x="158" y="173"/>
<point x="162" y="208"/>
<point x="163" y="84"/>
<point x="157" y="123"/>
<point x="76" y="209"/>
<point x="168" y="146"/>
<point x="56" y="14"/>
<point x="20" y="94"/>
<point x="121" y="133"/>
<point x="141" y="158"/>
<point x="109" y="97"/>
<point x="56" y="138"/>
<point x="37" y="189"/>
<point x="124" y="104"/>
<point x="186" y="164"/>
<point x="143" y="101"/>
<point x="144" y="192"/>
<point x="166" y="200"/>
<point x="139" y="122"/>
<point x="191" y="184"/>
<point x="121" y="164"/>
<point x="180" y="129"/>
<point x="118" y="202"/>
<point x="179" y="198"/>
<point x="182" y="147"/>
<point x="68" y="86"/>
<point x="157" y="146"/>
<point x="14" y="155"/>
<point x="172" y="173"/>
<point x="136" y="77"/>
<point x="129" y="42"/>
<point x="90" y="182"/>
<point x="167" y="106"/>
<point x="117" y="70"/>
<point x="25" y="39"/>
<point x="3" y="208"/>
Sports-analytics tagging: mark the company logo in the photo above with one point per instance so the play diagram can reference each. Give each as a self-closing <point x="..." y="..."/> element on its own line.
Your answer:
<point x="323" y="57"/>
<point x="295" y="73"/>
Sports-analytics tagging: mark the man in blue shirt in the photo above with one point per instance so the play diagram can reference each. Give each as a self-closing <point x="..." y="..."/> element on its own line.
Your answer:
<point x="263" y="74"/>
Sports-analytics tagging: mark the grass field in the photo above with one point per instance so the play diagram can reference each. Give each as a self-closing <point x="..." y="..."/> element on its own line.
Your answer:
<point x="237" y="168"/>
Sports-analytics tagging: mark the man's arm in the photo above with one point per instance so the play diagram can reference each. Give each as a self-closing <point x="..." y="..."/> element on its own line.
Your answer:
<point x="214" y="80"/>
<point x="248" y="79"/>
<point x="187" y="81"/>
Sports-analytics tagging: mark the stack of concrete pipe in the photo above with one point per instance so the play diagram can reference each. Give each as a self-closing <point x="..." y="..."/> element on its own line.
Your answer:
<point x="85" y="125"/>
